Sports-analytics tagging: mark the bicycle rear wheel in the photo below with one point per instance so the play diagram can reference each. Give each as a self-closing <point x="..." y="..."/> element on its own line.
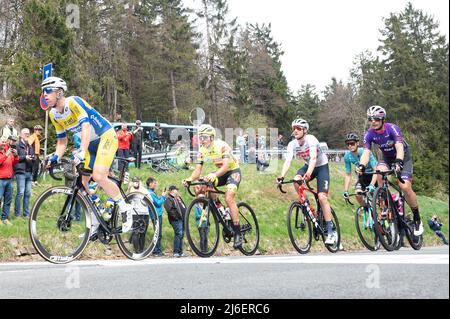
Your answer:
<point x="202" y="228"/>
<point x="55" y="232"/>
<point x="249" y="229"/>
<point x="365" y="228"/>
<point x="299" y="228"/>
<point x="385" y="219"/>
<point x="334" y="248"/>
<point x="139" y="243"/>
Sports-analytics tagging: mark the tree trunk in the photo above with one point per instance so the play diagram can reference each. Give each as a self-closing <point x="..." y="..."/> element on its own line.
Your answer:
<point x="174" y="98"/>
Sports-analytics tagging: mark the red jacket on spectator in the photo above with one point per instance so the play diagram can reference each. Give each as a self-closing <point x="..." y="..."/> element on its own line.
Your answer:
<point x="125" y="137"/>
<point x="7" y="163"/>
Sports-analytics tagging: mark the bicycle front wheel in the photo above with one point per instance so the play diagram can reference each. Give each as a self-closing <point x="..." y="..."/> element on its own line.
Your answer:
<point x="140" y="241"/>
<point x="365" y="228"/>
<point x="202" y="228"/>
<point x="385" y="219"/>
<point x="299" y="228"/>
<point x="249" y="229"/>
<point x="60" y="225"/>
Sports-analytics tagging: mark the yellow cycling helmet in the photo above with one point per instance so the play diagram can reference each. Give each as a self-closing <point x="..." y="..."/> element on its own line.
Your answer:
<point x="206" y="129"/>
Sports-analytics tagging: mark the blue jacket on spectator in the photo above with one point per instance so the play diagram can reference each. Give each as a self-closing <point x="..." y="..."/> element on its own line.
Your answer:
<point x="434" y="225"/>
<point x="158" y="202"/>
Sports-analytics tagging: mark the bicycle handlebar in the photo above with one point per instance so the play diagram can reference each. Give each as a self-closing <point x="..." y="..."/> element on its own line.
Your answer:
<point x="299" y="182"/>
<point x="201" y="182"/>
<point x="389" y="172"/>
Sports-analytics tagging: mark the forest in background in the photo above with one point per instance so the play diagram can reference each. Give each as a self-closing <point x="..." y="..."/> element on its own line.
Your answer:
<point x="149" y="60"/>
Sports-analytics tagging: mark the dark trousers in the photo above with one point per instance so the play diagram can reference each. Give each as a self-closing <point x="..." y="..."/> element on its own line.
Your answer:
<point x="441" y="236"/>
<point x="137" y="150"/>
<point x="123" y="153"/>
<point x="36" y="164"/>
<point x="178" y="230"/>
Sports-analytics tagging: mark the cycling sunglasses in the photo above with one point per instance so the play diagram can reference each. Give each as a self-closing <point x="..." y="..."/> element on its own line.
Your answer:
<point x="204" y="137"/>
<point x="350" y="144"/>
<point x="297" y="127"/>
<point x="49" y="90"/>
<point x="377" y="119"/>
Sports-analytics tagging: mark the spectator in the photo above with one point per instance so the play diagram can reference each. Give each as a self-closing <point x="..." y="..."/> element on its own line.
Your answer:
<point x="280" y="144"/>
<point x="181" y="153"/>
<point x="176" y="210"/>
<point x="35" y="143"/>
<point x="436" y="226"/>
<point x="138" y="140"/>
<point x="125" y="137"/>
<point x="8" y="158"/>
<point x="23" y="172"/>
<point x="136" y="186"/>
<point x="240" y="142"/>
<point x="8" y="130"/>
<point x="158" y="202"/>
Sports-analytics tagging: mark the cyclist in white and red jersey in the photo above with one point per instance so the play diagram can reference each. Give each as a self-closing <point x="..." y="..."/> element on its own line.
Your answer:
<point x="307" y="147"/>
<point x="396" y="156"/>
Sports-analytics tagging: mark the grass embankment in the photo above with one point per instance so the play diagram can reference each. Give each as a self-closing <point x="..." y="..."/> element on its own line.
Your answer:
<point x="257" y="189"/>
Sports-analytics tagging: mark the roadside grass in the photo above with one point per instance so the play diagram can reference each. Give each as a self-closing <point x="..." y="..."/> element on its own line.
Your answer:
<point x="257" y="189"/>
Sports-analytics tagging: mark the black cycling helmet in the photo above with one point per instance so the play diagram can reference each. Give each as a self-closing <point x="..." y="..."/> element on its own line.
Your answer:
<point x="351" y="137"/>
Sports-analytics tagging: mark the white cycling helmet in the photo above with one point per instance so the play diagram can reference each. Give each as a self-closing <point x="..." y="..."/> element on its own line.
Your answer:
<point x="301" y="123"/>
<point x="54" y="82"/>
<point x="377" y="112"/>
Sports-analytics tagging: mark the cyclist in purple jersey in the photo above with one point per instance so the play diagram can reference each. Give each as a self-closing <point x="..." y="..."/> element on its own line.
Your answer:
<point x="395" y="155"/>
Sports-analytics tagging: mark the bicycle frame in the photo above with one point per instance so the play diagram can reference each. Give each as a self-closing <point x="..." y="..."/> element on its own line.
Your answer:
<point x="79" y="187"/>
<point x="311" y="213"/>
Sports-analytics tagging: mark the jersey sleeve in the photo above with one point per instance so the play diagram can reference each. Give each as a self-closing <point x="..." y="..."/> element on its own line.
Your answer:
<point x="396" y="133"/>
<point x="290" y="151"/>
<point x="367" y="140"/>
<point x="60" y="131"/>
<point x="348" y="164"/>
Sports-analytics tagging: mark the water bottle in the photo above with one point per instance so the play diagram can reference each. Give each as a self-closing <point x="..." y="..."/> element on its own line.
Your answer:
<point x="221" y="209"/>
<point x="98" y="204"/>
<point x="399" y="202"/>
<point x="227" y="215"/>
<point x="109" y="205"/>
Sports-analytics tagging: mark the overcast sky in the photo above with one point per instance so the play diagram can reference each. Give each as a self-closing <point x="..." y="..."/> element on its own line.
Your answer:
<point x="320" y="38"/>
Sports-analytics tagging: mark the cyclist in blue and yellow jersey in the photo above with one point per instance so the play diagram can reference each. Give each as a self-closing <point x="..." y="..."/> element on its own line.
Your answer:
<point x="98" y="141"/>
<point x="396" y="155"/>
<point x="352" y="156"/>
<point x="228" y="173"/>
<point x="306" y="146"/>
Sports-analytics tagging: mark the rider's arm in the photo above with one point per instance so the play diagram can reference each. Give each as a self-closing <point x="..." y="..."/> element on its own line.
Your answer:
<point x="312" y="160"/>
<point x="365" y="157"/>
<point x="197" y="172"/>
<point x="61" y="144"/>
<point x="347" y="181"/>
<point x="400" y="150"/>
<point x="85" y="136"/>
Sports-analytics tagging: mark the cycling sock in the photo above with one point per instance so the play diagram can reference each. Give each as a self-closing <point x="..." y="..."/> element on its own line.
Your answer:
<point x="416" y="214"/>
<point x="329" y="227"/>
<point x="120" y="202"/>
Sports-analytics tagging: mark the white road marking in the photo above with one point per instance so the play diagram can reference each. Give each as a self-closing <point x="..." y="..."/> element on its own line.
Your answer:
<point x="417" y="259"/>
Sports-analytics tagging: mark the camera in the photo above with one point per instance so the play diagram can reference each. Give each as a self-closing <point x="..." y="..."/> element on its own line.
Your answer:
<point x="14" y="146"/>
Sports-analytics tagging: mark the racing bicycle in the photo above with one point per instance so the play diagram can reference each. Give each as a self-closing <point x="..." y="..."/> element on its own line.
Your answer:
<point x="60" y="238"/>
<point x="203" y="218"/>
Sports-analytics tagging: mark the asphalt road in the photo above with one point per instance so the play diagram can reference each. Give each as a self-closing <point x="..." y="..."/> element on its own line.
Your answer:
<point x="402" y="274"/>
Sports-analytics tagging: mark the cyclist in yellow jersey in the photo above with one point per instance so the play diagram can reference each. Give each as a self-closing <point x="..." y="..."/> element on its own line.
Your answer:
<point x="98" y="141"/>
<point x="228" y="173"/>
